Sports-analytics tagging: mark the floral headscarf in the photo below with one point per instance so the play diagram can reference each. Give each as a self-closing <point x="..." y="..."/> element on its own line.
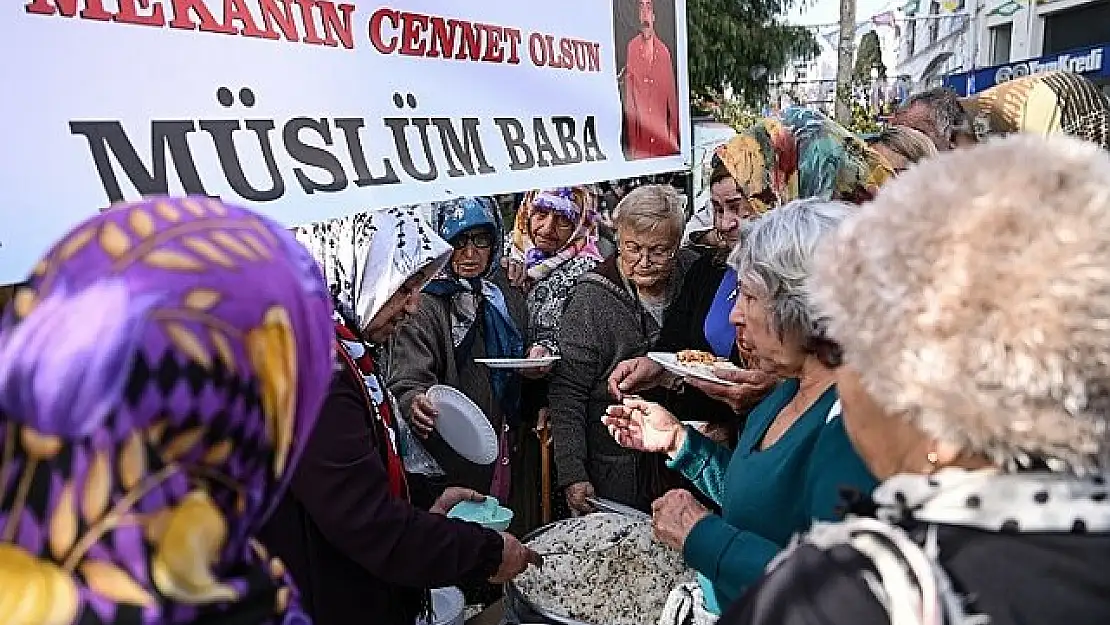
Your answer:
<point x="802" y="154"/>
<point x="159" y="375"/>
<point x="368" y="257"/>
<point x="577" y="204"/>
<point x="1044" y="104"/>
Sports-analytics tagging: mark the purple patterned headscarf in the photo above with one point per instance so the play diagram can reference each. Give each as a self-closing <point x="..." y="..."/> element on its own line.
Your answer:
<point x="159" y="375"/>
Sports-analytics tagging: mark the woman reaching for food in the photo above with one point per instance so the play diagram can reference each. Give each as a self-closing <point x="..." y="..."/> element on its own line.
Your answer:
<point x="792" y="454"/>
<point x="347" y="531"/>
<point x="801" y="154"/>
<point x="979" y="396"/>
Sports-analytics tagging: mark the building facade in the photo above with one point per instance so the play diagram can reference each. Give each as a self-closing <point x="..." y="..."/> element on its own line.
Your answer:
<point x="812" y="82"/>
<point x="936" y="41"/>
<point x="1014" y="38"/>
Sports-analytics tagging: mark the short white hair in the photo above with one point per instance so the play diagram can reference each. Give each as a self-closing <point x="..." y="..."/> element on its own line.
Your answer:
<point x="652" y="208"/>
<point x="775" y="256"/>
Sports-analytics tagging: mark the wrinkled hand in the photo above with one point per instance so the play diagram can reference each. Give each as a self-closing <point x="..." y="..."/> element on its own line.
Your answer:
<point x="674" y="515"/>
<point x="644" y="426"/>
<point x="452" y="496"/>
<point x="424" y="415"/>
<point x="515" y="558"/>
<point x="751" y="386"/>
<point x="635" y="376"/>
<point x="576" y="497"/>
<point x="515" y="272"/>
<point x="537" y="373"/>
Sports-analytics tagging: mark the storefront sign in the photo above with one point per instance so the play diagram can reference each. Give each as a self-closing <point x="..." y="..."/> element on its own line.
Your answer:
<point x="311" y="109"/>
<point x="1090" y="62"/>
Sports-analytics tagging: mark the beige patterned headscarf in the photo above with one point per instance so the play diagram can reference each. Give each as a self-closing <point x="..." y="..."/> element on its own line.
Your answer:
<point x="1044" y="104"/>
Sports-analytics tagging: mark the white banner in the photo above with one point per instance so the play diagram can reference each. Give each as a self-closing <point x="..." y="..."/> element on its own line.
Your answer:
<point x="312" y="109"/>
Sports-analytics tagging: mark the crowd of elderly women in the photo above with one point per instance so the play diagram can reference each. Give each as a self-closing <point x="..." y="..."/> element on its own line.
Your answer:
<point x="916" y="432"/>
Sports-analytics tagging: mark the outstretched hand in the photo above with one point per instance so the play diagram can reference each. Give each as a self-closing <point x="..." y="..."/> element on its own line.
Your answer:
<point x="644" y="426"/>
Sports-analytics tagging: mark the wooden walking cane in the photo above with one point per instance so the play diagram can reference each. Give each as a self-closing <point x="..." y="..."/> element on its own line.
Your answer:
<point x="544" y="432"/>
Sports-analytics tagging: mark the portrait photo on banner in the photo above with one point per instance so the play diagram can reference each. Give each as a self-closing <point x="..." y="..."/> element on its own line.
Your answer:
<point x="646" y="57"/>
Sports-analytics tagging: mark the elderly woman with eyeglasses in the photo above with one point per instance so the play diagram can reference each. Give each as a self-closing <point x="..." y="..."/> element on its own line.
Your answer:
<point x="800" y="154"/>
<point x="793" y="453"/>
<point x="614" y="313"/>
<point x="971" y="301"/>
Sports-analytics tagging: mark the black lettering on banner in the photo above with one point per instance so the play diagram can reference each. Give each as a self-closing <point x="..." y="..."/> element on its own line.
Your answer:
<point x="351" y="127"/>
<point x="512" y="132"/>
<point x="223" y="137"/>
<point x="564" y="130"/>
<point x="589" y="141"/>
<point x="401" y="141"/>
<point x="313" y="156"/>
<point x="165" y="136"/>
<point x="466" y="150"/>
<point x="546" y="156"/>
<point x="318" y="157"/>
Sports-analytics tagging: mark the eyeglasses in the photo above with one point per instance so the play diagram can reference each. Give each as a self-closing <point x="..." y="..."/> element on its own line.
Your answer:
<point x="481" y="240"/>
<point x="655" y="255"/>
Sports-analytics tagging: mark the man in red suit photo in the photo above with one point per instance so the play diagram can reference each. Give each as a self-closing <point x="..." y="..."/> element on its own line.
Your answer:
<point x="650" y="93"/>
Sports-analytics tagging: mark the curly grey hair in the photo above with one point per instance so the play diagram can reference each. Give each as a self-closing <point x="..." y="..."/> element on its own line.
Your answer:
<point x="775" y="257"/>
<point x="973" y="297"/>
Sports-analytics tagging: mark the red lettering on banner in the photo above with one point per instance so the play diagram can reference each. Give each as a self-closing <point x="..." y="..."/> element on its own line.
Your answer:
<point x="282" y="17"/>
<point x="494" y="53"/>
<point x="311" y="36"/>
<point x="564" y="53"/>
<point x="329" y="23"/>
<point x="412" y="42"/>
<point x="443" y="34"/>
<point x="377" y="24"/>
<point x="94" y="9"/>
<point x="432" y="36"/>
<point x="129" y="13"/>
<point x="337" y="23"/>
<point x="325" y="23"/>
<point x="512" y="36"/>
<point x="206" y="21"/>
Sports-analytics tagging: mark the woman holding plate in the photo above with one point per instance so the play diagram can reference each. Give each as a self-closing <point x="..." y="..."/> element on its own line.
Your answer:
<point x="613" y="313"/>
<point x="468" y="314"/>
<point x="347" y="531"/>
<point x="793" y="454"/>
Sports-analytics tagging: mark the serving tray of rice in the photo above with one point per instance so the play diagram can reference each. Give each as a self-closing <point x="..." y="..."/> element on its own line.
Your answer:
<point x="599" y="569"/>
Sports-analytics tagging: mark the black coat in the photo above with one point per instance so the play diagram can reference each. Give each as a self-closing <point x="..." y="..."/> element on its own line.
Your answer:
<point x="1015" y="579"/>
<point x="684" y="329"/>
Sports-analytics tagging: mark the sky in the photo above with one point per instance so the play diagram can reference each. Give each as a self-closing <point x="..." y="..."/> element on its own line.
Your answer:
<point x="828" y="11"/>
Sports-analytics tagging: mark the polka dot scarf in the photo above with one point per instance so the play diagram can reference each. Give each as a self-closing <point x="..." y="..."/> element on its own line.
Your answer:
<point x="998" y="502"/>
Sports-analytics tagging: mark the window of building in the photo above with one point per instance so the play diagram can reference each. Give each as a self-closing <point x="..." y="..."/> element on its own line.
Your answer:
<point x="1001" y="36"/>
<point x="801" y="71"/>
<point x="934" y="22"/>
<point x="1079" y="27"/>
<point x="911" y="36"/>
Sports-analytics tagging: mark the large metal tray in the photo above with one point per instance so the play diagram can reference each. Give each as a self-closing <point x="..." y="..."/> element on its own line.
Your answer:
<point x="524" y="611"/>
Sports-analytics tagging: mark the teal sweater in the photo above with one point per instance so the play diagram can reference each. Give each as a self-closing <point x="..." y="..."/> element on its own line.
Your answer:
<point x="765" y="496"/>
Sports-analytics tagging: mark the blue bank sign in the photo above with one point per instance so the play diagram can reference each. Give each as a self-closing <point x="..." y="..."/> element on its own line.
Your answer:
<point x="1093" y="62"/>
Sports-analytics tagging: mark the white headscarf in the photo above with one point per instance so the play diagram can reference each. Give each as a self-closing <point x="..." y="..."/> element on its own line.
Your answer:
<point x="368" y="257"/>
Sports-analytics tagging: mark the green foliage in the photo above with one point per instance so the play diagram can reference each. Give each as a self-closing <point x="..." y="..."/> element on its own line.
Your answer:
<point x="864" y="120"/>
<point x="743" y="44"/>
<point x="736" y="113"/>
<point x="869" y="54"/>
